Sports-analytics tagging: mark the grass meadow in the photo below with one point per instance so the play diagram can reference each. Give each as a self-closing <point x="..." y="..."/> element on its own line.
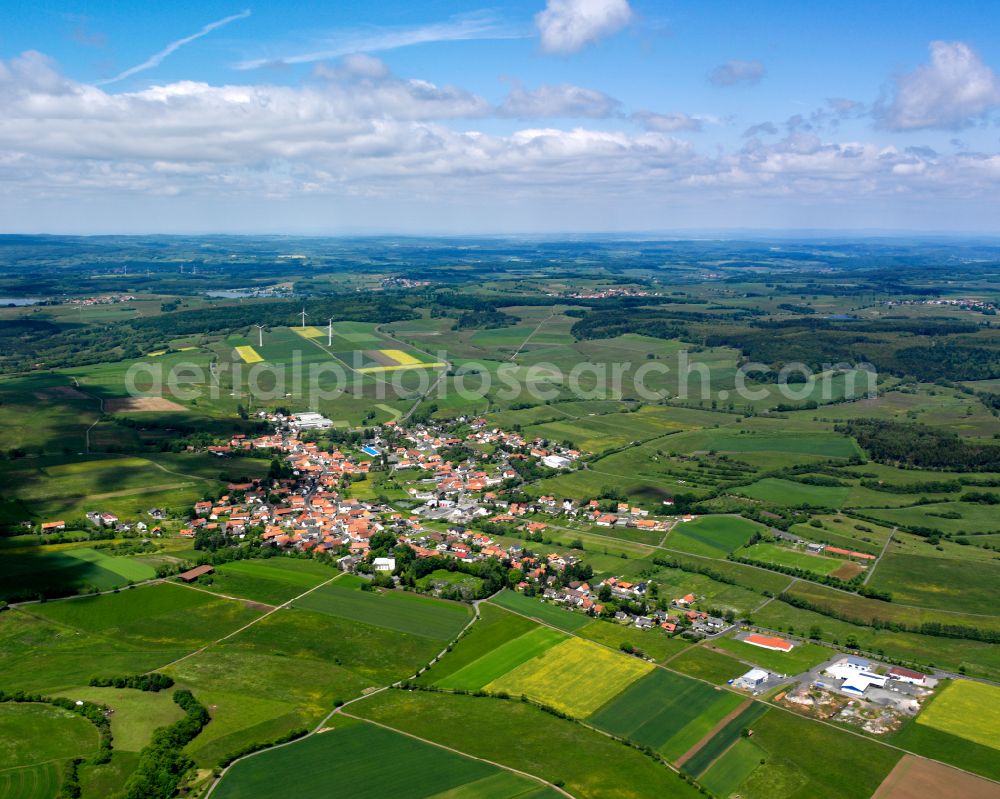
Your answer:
<point x="36" y="741"/>
<point x="544" y="612"/>
<point x="707" y="664"/>
<point x="801" y="658"/>
<point x="947" y="583"/>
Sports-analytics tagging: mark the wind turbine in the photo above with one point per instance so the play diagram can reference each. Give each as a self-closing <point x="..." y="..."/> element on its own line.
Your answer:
<point x="260" y="335"/>
<point x="303" y="314"/>
<point x="329" y="333"/>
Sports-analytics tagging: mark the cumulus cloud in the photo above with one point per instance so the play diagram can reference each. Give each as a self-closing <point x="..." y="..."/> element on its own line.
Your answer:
<point x="737" y="73"/>
<point x="566" y="26"/>
<point x="666" y="123"/>
<point x="557" y="101"/>
<point x="157" y="58"/>
<point x="955" y="90"/>
<point x="356" y="130"/>
<point x="764" y="128"/>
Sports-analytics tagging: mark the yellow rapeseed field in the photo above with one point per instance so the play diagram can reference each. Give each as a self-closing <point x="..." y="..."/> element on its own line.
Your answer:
<point x="400" y="357"/>
<point x="309" y="332"/>
<point x="970" y="710"/>
<point x="248" y="354"/>
<point x="576" y="677"/>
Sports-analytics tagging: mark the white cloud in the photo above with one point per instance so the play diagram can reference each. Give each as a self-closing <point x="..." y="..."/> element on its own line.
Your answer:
<point x="566" y="26"/>
<point x="736" y="72"/>
<point x="667" y="123"/>
<point x="953" y="91"/>
<point x="355" y="130"/>
<point x="557" y="101"/>
<point x="157" y="58"/>
<point x="465" y="27"/>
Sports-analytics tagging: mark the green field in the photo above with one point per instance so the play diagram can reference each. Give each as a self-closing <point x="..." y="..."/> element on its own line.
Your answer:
<point x="31" y="782"/>
<point x="726" y="774"/>
<point x="865" y="611"/>
<point x="806" y="759"/>
<point x="506" y="657"/>
<point x="712" y="536"/>
<point x="590" y="765"/>
<point x="957" y="585"/>
<point x="63" y="644"/>
<point x="707" y="664"/>
<point x="967" y="518"/>
<point x="725" y="738"/>
<point x="67" y="487"/>
<point x="575" y="676"/>
<point x="667" y="711"/>
<point x="272" y="581"/>
<point x="801" y="658"/>
<point x="544" y="612"/>
<point x="790" y="493"/>
<point x="494" y="628"/>
<point x="288" y="671"/>
<point x="829" y="445"/>
<point x="394" y="610"/>
<point x="353" y="756"/>
<point x="25" y="575"/>
<point x="786" y="556"/>
<point x="34" y="734"/>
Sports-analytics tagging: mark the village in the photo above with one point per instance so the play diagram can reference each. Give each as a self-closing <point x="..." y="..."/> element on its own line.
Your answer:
<point x="459" y="512"/>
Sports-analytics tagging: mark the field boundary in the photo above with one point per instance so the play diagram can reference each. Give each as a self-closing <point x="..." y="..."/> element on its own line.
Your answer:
<point x="711" y="734"/>
<point x="460" y="752"/>
<point x="263" y="616"/>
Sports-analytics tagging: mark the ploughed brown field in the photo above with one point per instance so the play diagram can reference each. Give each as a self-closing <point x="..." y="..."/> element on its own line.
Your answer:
<point x="916" y="778"/>
<point x="137" y="404"/>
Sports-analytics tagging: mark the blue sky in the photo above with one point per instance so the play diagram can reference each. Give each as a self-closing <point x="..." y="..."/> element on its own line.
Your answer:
<point x="544" y="116"/>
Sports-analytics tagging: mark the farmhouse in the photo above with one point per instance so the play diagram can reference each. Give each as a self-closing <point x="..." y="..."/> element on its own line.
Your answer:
<point x="193" y="574"/>
<point x="769" y="642"/>
<point x="384" y="564"/>
<point x="900" y="674"/>
<point x="49" y="527"/>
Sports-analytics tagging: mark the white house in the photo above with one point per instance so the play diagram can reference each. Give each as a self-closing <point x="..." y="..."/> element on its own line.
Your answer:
<point x="752" y="680"/>
<point x="384" y="564"/>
